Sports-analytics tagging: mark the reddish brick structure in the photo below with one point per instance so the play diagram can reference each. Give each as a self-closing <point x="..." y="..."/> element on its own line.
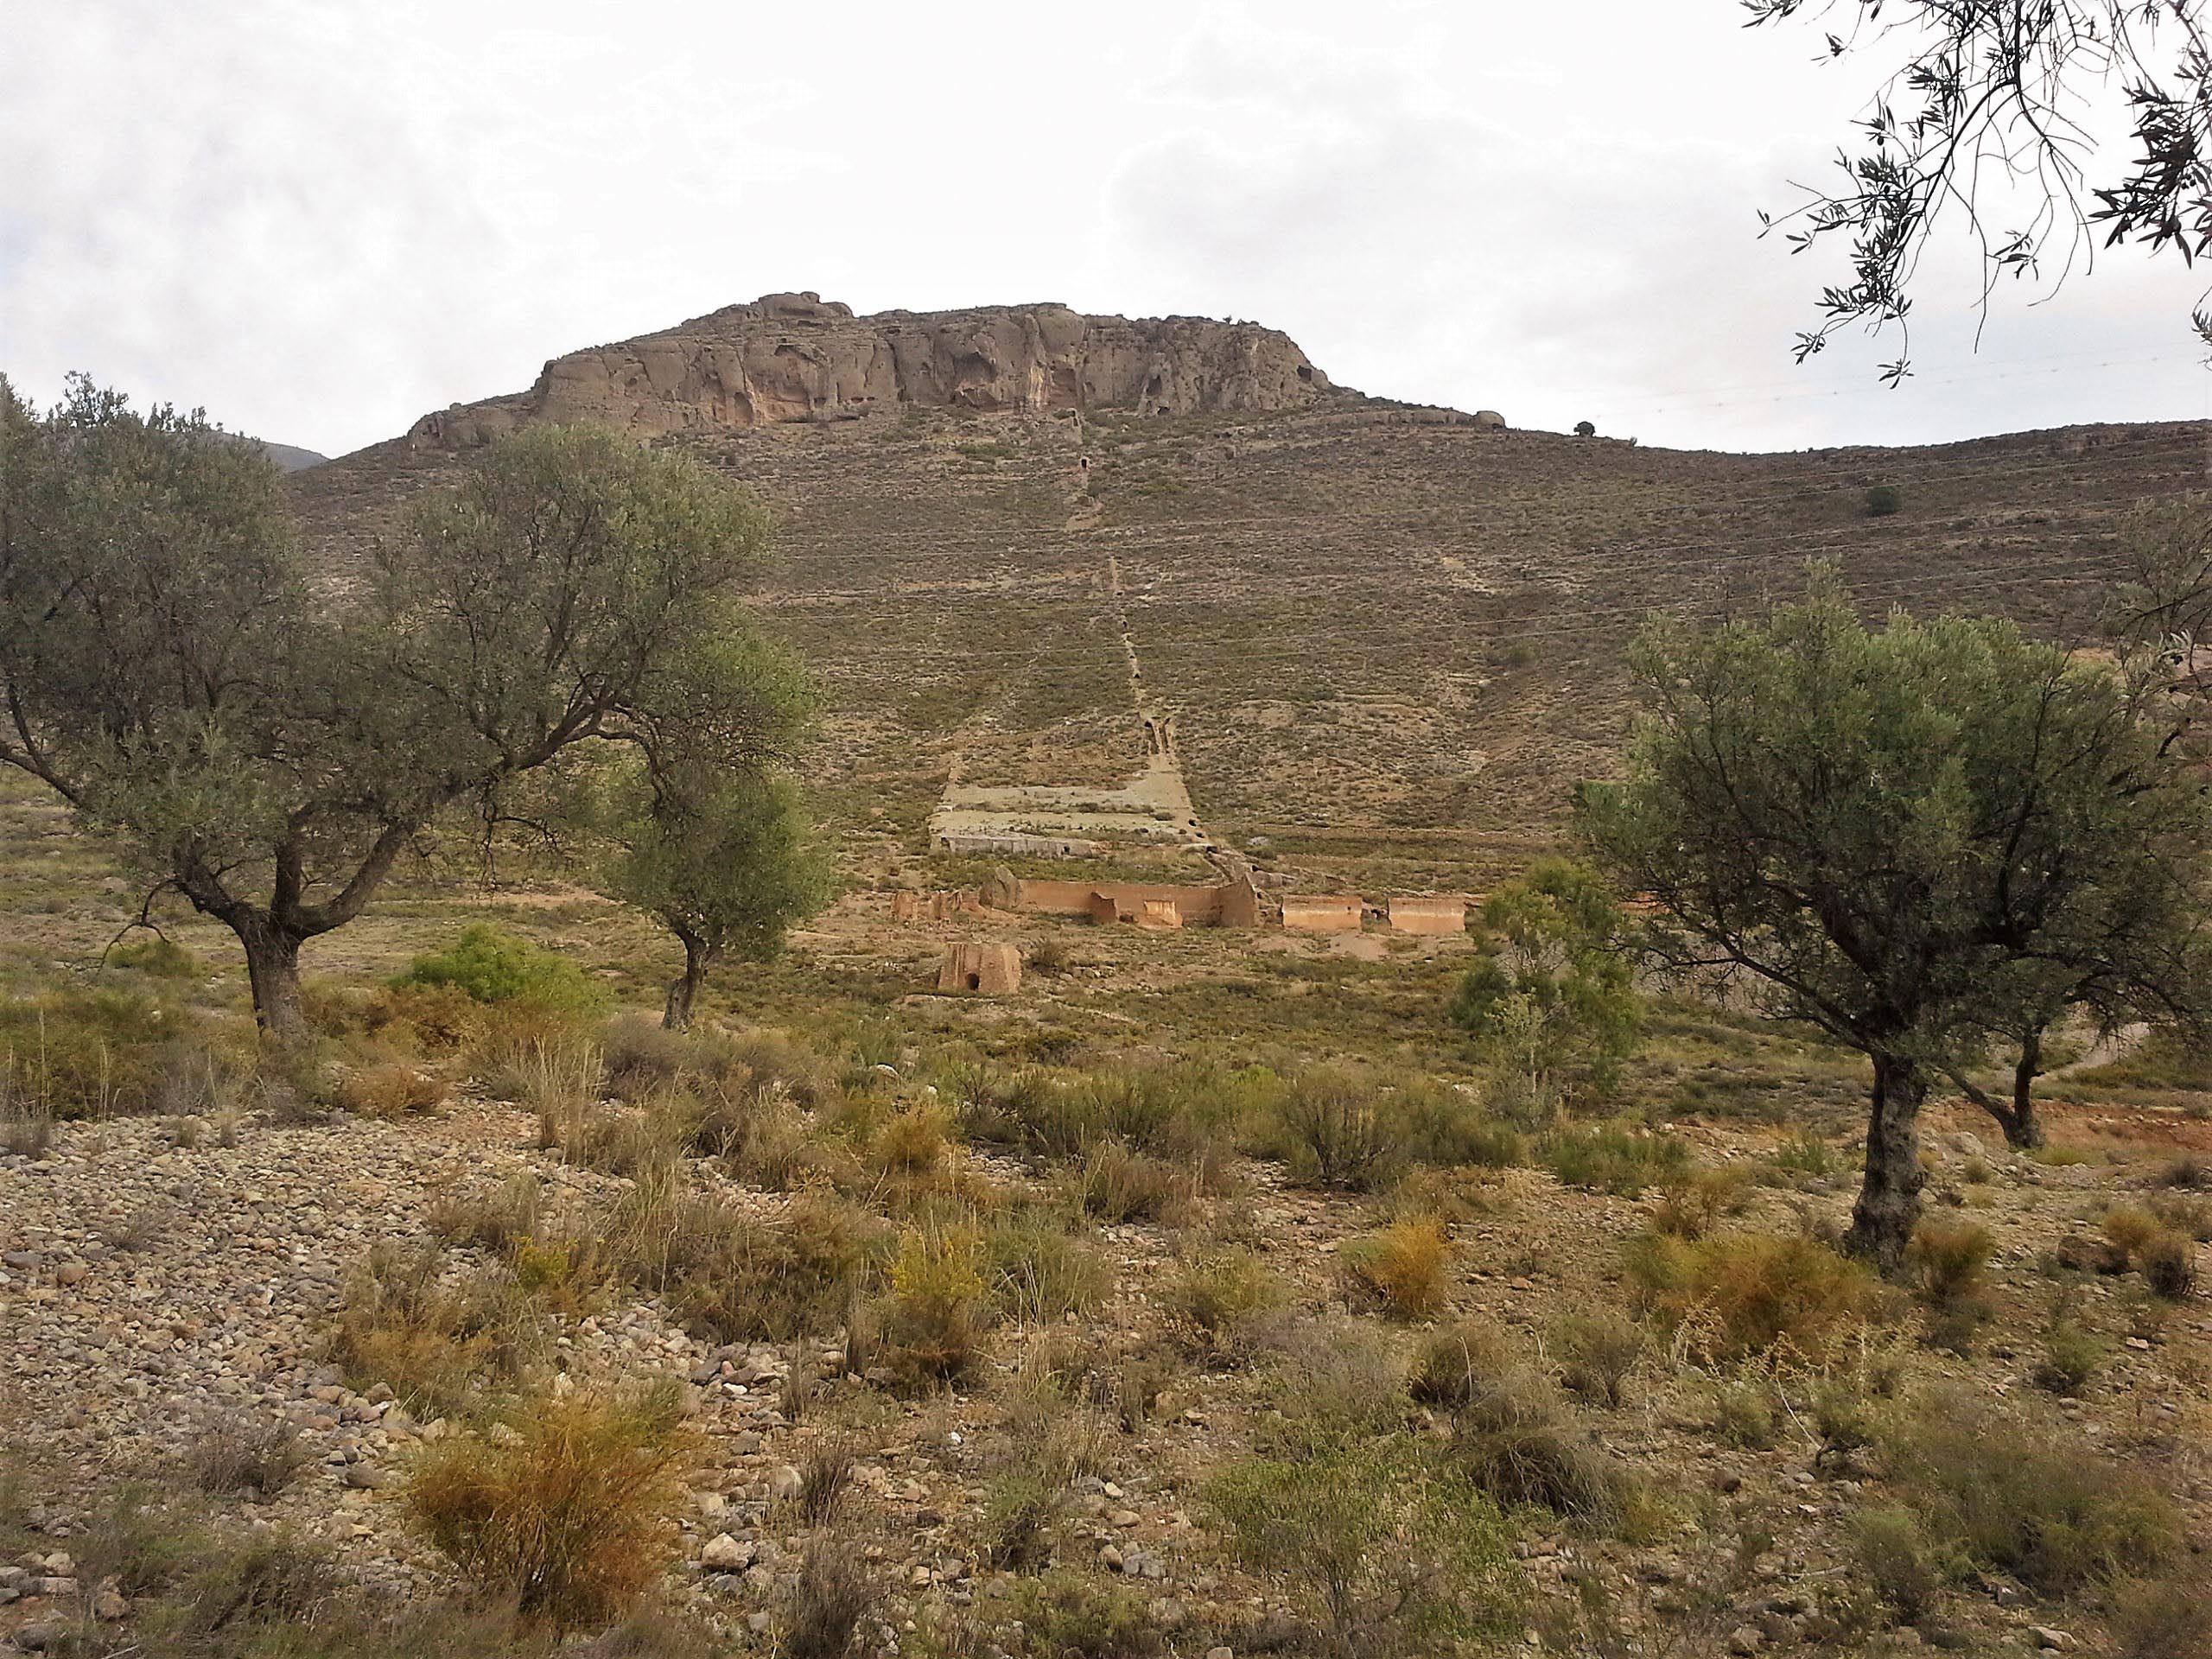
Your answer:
<point x="980" y="970"/>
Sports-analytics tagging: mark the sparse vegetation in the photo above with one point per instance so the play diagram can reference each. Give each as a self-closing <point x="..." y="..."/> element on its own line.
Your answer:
<point x="571" y="1510"/>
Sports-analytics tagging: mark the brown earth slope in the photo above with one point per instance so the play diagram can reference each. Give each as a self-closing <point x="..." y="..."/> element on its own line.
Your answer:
<point x="1389" y="638"/>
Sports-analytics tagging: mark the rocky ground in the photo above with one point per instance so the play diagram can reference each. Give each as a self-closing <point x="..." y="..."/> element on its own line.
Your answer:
<point x="161" y="1282"/>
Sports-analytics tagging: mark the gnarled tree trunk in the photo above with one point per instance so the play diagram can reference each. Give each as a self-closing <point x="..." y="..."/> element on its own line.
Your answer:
<point x="272" y="965"/>
<point x="698" y="956"/>
<point x="1889" y="1198"/>
<point x="2023" y="1129"/>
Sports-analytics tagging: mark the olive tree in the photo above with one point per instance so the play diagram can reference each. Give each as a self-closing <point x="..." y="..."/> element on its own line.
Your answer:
<point x="1909" y="837"/>
<point x="268" y="744"/>
<point x="1994" y="113"/>
<point x="707" y="831"/>
<point x="1552" y="988"/>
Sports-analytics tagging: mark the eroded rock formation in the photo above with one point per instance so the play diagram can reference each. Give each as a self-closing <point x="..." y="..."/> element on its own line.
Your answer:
<point x="797" y="357"/>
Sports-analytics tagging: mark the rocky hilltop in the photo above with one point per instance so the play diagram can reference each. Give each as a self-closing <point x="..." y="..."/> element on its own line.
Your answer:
<point x="796" y="357"/>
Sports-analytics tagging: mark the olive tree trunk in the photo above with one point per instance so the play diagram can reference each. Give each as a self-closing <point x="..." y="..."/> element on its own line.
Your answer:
<point x="272" y="966"/>
<point x="1889" y="1196"/>
<point x="698" y="956"/>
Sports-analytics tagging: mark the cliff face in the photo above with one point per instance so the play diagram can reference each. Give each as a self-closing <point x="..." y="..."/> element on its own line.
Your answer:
<point x="796" y="357"/>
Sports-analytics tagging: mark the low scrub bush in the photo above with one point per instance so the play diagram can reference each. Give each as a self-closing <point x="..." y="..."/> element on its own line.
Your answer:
<point x="2187" y="1212"/>
<point x="1893" y="1554"/>
<point x="1113" y="1182"/>
<point x="2017" y="1493"/>
<point x="1695" y="1202"/>
<point x="2071" y="1356"/>
<point x="441" y="1347"/>
<point x="1213" y="1301"/>
<point x="571" y="1510"/>
<point x="244" y="1456"/>
<point x="1614" y="1158"/>
<point x="1039" y="1274"/>
<point x="1336" y="1383"/>
<point x="1735" y="1294"/>
<point x="1402" y="1267"/>
<point x="1023" y="1513"/>
<point x="428" y="1019"/>
<point x="492" y="966"/>
<point x="1333" y="1130"/>
<point x="934" y="1322"/>
<point x="824" y="1605"/>
<point x="1457" y="1366"/>
<point x="1067" y="1615"/>
<point x="79" y="1054"/>
<point x="777" y="1060"/>
<point x="1383" y="1549"/>
<point x="2166" y="1257"/>
<point x="732" y="1276"/>
<point x="1599" y="1350"/>
<point x="2169" y="1617"/>
<point x="1950" y="1260"/>
<point x="392" y="1089"/>
<point x="157" y="958"/>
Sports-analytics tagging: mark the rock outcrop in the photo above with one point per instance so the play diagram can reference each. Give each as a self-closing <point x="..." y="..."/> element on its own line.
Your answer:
<point x="797" y="357"/>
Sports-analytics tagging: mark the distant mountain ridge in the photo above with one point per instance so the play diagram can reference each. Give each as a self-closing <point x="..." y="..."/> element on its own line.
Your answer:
<point x="290" y="458"/>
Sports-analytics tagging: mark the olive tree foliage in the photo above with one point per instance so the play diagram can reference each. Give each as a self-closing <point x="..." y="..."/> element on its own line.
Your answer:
<point x="268" y="749"/>
<point x="1911" y="838"/>
<point x="707" y="832"/>
<point x="1992" y="114"/>
<point x="1552" y="994"/>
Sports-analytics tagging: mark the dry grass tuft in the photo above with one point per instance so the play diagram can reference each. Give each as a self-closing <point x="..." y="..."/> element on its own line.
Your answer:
<point x="570" y="1509"/>
<point x="392" y="1089"/>
<point x="1735" y="1294"/>
<point x="1403" y="1266"/>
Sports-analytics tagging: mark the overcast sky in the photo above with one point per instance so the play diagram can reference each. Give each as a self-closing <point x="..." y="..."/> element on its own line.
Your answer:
<point x="321" y="217"/>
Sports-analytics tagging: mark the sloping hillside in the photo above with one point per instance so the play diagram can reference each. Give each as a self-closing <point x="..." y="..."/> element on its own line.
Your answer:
<point x="1386" y="640"/>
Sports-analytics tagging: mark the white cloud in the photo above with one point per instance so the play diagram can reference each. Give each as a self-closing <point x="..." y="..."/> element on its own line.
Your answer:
<point x="321" y="217"/>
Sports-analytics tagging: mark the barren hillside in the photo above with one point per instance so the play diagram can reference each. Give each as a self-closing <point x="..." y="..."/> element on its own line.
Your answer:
<point x="1387" y="639"/>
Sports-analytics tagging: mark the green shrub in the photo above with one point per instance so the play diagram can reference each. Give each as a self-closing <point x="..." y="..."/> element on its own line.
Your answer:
<point x="934" y="1321"/>
<point x="2071" y="1356"/>
<point x="492" y="966"/>
<point x="161" y="958"/>
<point x="1383" y="1550"/>
<point x="1743" y="1294"/>
<point x="1894" y="1557"/>
<point x="1068" y="1615"/>
<point x="2017" y="1492"/>
<point x="1037" y="1274"/>
<point x="572" y="1511"/>
<point x="1613" y="1158"/>
<point x="1213" y="1300"/>
<point x="1884" y="499"/>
